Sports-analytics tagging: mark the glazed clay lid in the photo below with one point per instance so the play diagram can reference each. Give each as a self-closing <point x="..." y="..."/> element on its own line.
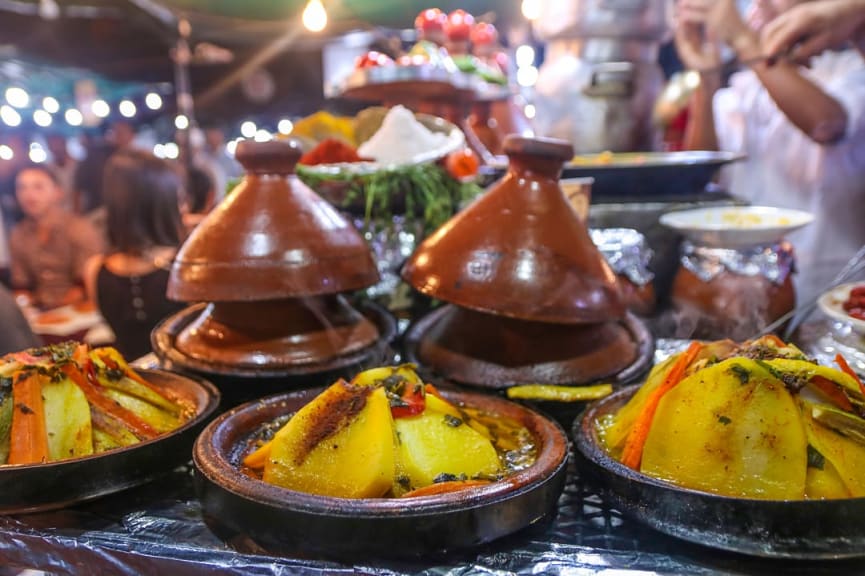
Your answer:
<point x="520" y="250"/>
<point x="271" y="238"/>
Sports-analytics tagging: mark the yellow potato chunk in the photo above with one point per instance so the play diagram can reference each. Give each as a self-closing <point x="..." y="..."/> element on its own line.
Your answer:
<point x="341" y="444"/>
<point x="732" y="429"/>
<point x="67" y="420"/>
<point x="842" y="455"/>
<point x="438" y="442"/>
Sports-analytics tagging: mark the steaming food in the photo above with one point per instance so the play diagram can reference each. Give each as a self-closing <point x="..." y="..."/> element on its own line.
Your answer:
<point x="757" y="420"/>
<point x="66" y="401"/>
<point x="386" y="433"/>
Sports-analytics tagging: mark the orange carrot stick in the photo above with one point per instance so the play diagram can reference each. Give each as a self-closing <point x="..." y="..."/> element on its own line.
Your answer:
<point x="258" y="458"/>
<point x="633" y="452"/>
<point x="444" y="488"/>
<point x="29" y="437"/>
<point x="842" y="364"/>
<point x="833" y="392"/>
<point x="95" y="396"/>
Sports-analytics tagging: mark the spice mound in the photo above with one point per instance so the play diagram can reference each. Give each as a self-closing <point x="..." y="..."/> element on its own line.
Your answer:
<point x="387" y="434"/>
<point x="400" y="139"/>
<point x="757" y="420"/>
<point x="66" y="401"/>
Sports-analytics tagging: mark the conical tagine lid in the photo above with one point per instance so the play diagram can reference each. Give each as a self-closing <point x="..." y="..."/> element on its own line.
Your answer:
<point x="271" y="238"/>
<point x="520" y="250"/>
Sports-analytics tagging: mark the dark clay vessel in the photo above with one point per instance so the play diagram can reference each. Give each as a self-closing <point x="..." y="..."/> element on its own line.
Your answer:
<point x="271" y="260"/>
<point x="271" y="238"/>
<point x="534" y="299"/>
<point x="520" y="250"/>
<point x="804" y="529"/>
<point x="291" y="522"/>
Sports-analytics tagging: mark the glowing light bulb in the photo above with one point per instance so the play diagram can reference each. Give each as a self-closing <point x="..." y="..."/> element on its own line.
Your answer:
<point x="127" y="108"/>
<point x="525" y="56"/>
<point x="6" y="153"/>
<point x="17" y="97"/>
<point x="263" y="136"/>
<point x="530" y="111"/>
<point x="181" y="122"/>
<point x="9" y="116"/>
<point x="51" y="105"/>
<point x="531" y="9"/>
<point x="248" y="129"/>
<point x="42" y="118"/>
<point x="100" y="108"/>
<point x="153" y="101"/>
<point x="172" y="150"/>
<point x="315" y="16"/>
<point x="285" y="126"/>
<point x="37" y="153"/>
<point x="73" y="117"/>
<point x="527" y="76"/>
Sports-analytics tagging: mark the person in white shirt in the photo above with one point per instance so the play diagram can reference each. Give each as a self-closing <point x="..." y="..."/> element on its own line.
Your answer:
<point x="803" y="130"/>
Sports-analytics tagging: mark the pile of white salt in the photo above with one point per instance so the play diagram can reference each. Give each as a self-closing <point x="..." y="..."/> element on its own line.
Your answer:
<point x="400" y="139"/>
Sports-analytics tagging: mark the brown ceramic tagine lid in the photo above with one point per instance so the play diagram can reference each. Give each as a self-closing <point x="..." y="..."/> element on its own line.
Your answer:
<point x="520" y="250"/>
<point x="271" y="260"/>
<point x="272" y="238"/>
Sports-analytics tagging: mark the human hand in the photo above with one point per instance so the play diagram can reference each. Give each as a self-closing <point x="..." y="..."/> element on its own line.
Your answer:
<point x="814" y="26"/>
<point x="722" y="21"/>
<point x="697" y="49"/>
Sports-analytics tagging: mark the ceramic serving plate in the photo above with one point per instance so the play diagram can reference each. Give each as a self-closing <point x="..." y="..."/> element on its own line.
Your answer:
<point x="287" y="521"/>
<point x="801" y="529"/>
<point x="736" y="226"/>
<point x="39" y="487"/>
<point x="831" y="303"/>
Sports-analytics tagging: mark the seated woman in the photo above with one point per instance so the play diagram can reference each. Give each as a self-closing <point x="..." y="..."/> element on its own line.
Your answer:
<point x="142" y="197"/>
<point x="803" y="130"/>
<point x="49" y="247"/>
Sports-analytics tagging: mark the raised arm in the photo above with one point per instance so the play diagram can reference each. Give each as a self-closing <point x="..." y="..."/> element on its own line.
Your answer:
<point x="817" y="114"/>
<point x="813" y="27"/>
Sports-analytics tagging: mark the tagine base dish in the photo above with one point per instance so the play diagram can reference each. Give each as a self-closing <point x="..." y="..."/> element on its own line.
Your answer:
<point x="795" y="529"/>
<point x="282" y="519"/>
<point x="27" y="488"/>
<point x="612" y="361"/>
<point x="165" y="336"/>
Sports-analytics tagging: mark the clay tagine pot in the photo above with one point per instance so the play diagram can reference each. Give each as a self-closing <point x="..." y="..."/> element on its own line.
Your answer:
<point x="520" y="250"/>
<point x="535" y="300"/>
<point x="271" y="260"/>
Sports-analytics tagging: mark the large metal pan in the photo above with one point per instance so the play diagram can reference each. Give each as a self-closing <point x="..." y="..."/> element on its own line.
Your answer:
<point x="800" y="529"/>
<point x="39" y="487"/>
<point x="649" y="175"/>
<point x="287" y="521"/>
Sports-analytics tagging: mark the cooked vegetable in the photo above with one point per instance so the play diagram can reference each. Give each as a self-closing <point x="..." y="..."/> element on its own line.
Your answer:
<point x="559" y="393"/>
<point x="66" y="401"/>
<point x="387" y="433"/>
<point x="759" y="420"/>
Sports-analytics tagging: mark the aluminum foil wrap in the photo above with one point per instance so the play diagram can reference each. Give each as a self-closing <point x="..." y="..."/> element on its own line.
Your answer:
<point x="774" y="262"/>
<point x="626" y="251"/>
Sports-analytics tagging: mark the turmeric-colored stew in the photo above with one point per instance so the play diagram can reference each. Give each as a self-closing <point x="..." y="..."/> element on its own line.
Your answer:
<point x="66" y="401"/>
<point x="388" y="434"/>
<point x="754" y="420"/>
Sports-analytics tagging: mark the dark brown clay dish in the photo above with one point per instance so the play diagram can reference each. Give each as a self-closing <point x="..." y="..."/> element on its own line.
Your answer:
<point x="39" y="487"/>
<point x="287" y="521"/>
<point x="496" y="352"/>
<point x="800" y="529"/>
<point x="165" y="335"/>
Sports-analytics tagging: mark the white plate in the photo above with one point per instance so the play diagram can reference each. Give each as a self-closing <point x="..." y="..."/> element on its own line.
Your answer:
<point x="831" y="303"/>
<point x="736" y="226"/>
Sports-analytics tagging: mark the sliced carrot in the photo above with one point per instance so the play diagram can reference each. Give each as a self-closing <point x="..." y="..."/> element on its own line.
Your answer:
<point x="633" y="451"/>
<point x="95" y="396"/>
<point x="445" y="488"/>
<point x="842" y="364"/>
<point x="775" y="340"/>
<point x="430" y="389"/>
<point x="258" y="458"/>
<point x="833" y="392"/>
<point x="130" y="373"/>
<point x="29" y="437"/>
